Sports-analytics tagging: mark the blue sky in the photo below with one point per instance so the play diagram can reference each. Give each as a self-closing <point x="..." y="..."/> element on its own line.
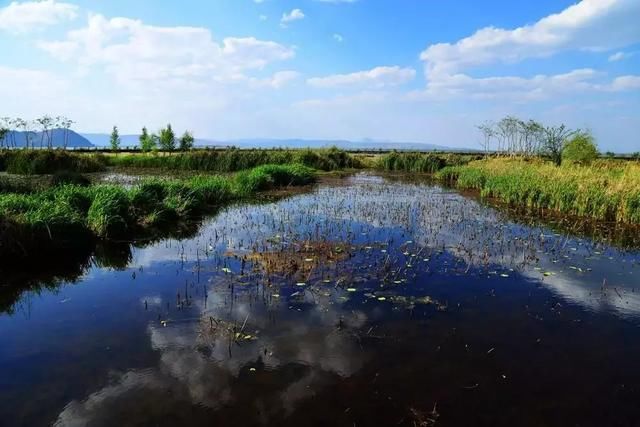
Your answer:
<point x="410" y="70"/>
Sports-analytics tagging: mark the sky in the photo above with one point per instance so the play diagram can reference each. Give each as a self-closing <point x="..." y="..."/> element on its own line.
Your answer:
<point x="387" y="70"/>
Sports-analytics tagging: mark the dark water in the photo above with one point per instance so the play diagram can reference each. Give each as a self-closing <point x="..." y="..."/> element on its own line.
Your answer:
<point x="364" y="302"/>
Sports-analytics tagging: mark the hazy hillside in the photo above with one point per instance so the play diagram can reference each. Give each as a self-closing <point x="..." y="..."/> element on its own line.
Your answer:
<point x="57" y="136"/>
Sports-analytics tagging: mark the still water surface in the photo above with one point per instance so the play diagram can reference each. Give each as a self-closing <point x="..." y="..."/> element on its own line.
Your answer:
<point x="365" y="301"/>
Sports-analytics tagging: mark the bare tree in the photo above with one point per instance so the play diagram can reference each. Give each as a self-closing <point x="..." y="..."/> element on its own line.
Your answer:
<point x="66" y="124"/>
<point x="45" y="123"/>
<point x="4" y="131"/>
<point x="488" y="133"/>
<point x="553" y="141"/>
<point x="530" y="136"/>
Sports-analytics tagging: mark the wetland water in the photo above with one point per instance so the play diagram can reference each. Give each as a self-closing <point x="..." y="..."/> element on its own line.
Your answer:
<point x="365" y="301"/>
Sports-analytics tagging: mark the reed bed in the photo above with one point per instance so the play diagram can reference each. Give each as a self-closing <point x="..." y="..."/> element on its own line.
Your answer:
<point x="232" y="160"/>
<point x="420" y="162"/>
<point x="67" y="215"/>
<point x="40" y="162"/>
<point x="606" y="190"/>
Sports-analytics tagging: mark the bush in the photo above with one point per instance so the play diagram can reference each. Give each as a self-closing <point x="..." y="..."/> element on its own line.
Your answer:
<point x="580" y="149"/>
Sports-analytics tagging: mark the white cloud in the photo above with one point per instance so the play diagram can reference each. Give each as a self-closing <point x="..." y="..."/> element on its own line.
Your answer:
<point x="18" y="18"/>
<point x="623" y="83"/>
<point x="294" y="15"/>
<point x="583" y="26"/>
<point x="586" y="25"/>
<point x="131" y="50"/>
<point x="277" y="81"/>
<point x="376" y="77"/>
<point x="619" y="56"/>
<point x="338" y="37"/>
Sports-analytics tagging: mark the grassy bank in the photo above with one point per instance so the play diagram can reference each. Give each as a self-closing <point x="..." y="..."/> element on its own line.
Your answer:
<point x="420" y="162"/>
<point x="40" y="162"/>
<point x="606" y="190"/>
<point x="232" y="160"/>
<point x="72" y="216"/>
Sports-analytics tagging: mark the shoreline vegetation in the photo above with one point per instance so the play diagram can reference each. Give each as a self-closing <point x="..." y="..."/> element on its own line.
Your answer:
<point x="605" y="190"/>
<point x="55" y="207"/>
<point x="71" y="216"/>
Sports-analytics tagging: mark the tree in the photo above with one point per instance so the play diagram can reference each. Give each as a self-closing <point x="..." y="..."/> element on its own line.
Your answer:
<point x="167" y="139"/>
<point x="5" y="122"/>
<point x="66" y="124"/>
<point x="186" y="141"/>
<point x="581" y="149"/>
<point x="114" y="141"/>
<point x="554" y="139"/>
<point x="531" y="134"/>
<point x="4" y="131"/>
<point x="488" y="133"/>
<point x="45" y="123"/>
<point x="147" y="142"/>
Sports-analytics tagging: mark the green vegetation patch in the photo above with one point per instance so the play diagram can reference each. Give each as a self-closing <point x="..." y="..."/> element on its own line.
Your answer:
<point x="61" y="216"/>
<point x="605" y="190"/>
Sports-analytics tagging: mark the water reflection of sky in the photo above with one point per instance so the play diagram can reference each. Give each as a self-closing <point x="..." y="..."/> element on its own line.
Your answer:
<point x="159" y="349"/>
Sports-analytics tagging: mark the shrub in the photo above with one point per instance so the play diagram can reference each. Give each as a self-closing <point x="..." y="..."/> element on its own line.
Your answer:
<point x="580" y="149"/>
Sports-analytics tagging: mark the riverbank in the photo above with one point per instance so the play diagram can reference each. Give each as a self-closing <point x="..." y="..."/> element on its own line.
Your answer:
<point x="606" y="190"/>
<point x="69" y="217"/>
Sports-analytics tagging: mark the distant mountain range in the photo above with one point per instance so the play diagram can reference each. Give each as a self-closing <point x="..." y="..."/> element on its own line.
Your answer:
<point x="102" y="140"/>
<point x="58" y="136"/>
<point x="88" y="140"/>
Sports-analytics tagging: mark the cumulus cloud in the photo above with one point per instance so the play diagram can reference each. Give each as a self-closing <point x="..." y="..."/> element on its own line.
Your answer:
<point x="586" y="25"/>
<point x="132" y="50"/>
<point x="583" y="26"/>
<point x="18" y="18"/>
<point x="376" y="77"/>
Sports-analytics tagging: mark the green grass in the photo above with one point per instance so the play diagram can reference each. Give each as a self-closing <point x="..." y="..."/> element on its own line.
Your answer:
<point x="39" y="162"/>
<point x="419" y="162"/>
<point x="606" y="190"/>
<point x="232" y="160"/>
<point x="54" y="218"/>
